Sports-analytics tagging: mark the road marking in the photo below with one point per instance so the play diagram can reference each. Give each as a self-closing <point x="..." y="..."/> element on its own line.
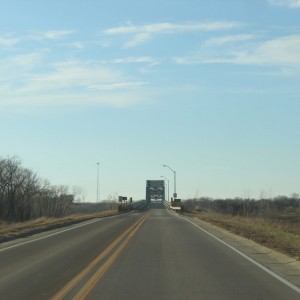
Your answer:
<point x="273" y="274"/>
<point x="56" y="233"/>
<point x="73" y="283"/>
<point x="101" y="271"/>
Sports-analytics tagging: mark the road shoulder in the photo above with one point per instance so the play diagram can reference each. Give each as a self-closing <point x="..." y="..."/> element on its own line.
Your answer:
<point x="283" y="265"/>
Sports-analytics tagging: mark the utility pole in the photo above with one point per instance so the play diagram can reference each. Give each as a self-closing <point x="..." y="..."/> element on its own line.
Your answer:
<point x="97" y="182"/>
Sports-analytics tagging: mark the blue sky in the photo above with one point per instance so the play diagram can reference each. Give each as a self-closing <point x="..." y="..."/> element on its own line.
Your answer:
<point x="210" y="88"/>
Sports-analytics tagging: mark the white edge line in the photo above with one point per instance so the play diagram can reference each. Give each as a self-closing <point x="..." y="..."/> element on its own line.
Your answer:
<point x="56" y="233"/>
<point x="273" y="274"/>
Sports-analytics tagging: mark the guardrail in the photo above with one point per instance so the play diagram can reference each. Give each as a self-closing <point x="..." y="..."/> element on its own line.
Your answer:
<point x="138" y="204"/>
<point x="168" y="204"/>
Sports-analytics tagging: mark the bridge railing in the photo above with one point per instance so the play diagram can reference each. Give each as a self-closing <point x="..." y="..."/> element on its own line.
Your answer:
<point x="137" y="204"/>
<point x="170" y="206"/>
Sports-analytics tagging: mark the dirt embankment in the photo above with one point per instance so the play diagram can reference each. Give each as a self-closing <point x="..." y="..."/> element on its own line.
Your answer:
<point x="24" y="229"/>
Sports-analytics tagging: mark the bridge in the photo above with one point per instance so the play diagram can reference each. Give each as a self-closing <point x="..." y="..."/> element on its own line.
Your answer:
<point x="155" y="190"/>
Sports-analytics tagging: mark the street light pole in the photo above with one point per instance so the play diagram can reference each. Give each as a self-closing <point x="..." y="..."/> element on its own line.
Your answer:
<point x="168" y="187"/>
<point x="97" y="182"/>
<point x="174" y="194"/>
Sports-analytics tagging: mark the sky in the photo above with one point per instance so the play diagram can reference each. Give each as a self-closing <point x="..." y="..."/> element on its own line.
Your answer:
<point x="210" y="88"/>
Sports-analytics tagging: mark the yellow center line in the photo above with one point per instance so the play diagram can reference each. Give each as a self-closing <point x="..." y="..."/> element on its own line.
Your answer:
<point x="101" y="271"/>
<point x="73" y="282"/>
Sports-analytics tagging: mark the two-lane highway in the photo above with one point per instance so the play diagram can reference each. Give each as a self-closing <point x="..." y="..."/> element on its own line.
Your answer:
<point x="147" y="255"/>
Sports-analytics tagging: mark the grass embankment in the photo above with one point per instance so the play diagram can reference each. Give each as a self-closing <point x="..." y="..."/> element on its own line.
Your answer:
<point x="8" y="231"/>
<point x="282" y="236"/>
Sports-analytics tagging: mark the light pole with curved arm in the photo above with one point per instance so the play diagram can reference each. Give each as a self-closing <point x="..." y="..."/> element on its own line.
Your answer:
<point x="168" y="186"/>
<point x="174" y="194"/>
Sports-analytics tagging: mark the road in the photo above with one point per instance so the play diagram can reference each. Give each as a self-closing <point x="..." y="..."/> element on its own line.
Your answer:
<point x="141" y="255"/>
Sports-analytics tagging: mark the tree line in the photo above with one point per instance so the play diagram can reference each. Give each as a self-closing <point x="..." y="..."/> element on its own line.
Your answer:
<point x="268" y="208"/>
<point x="25" y="196"/>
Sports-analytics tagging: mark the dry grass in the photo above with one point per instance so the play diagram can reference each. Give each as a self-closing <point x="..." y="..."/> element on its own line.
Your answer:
<point x="15" y="229"/>
<point x="280" y="236"/>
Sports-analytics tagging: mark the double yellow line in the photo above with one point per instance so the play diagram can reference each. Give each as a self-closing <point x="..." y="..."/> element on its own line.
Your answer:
<point x="86" y="289"/>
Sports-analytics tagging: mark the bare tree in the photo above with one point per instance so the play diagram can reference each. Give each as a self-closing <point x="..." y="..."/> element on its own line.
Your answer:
<point x="79" y="193"/>
<point x="24" y="196"/>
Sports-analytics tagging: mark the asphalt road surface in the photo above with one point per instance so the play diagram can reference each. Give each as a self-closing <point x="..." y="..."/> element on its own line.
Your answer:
<point x="141" y="255"/>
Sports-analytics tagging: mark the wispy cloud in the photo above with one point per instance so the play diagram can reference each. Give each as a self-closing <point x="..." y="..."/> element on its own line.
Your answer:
<point x="67" y="75"/>
<point x="138" y="59"/>
<point x="282" y="52"/>
<point x="119" y="86"/>
<point x="68" y="82"/>
<point x="13" y="68"/>
<point x="170" y="28"/>
<point x="229" y="39"/>
<point x="288" y="3"/>
<point x="138" y="39"/>
<point x="8" y="41"/>
<point x="117" y="99"/>
<point x="49" y="35"/>
<point x="143" y="33"/>
<point x="76" y="45"/>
